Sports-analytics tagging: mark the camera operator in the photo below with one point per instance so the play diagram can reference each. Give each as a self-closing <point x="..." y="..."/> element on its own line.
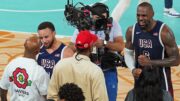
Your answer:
<point x="114" y="44"/>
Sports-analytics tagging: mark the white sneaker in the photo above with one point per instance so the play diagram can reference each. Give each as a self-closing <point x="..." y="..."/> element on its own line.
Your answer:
<point x="171" y="12"/>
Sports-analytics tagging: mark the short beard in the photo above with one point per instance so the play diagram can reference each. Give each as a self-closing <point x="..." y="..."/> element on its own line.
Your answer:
<point x="50" y="45"/>
<point x="146" y="27"/>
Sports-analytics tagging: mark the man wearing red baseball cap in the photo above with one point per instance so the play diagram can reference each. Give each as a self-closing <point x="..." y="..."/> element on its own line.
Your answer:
<point x="85" y="39"/>
<point x="80" y="70"/>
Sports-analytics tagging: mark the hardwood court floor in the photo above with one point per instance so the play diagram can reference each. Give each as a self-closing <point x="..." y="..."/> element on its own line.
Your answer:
<point x="11" y="46"/>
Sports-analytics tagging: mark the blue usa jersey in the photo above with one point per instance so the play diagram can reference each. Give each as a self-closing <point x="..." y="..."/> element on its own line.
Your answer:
<point x="150" y="45"/>
<point x="47" y="60"/>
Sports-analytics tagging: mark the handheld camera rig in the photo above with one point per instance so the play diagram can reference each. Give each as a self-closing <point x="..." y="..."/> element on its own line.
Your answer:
<point x="80" y="18"/>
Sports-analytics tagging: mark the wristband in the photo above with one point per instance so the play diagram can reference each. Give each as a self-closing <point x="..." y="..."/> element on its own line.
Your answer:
<point x="105" y="43"/>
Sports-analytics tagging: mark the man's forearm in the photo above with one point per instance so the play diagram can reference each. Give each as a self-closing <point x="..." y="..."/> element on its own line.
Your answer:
<point x="165" y="62"/>
<point x="115" y="46"/>
<point x="3" y="94"/>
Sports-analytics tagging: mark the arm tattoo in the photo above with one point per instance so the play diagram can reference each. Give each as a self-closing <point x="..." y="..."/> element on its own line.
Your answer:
<point x="171" y="50"/>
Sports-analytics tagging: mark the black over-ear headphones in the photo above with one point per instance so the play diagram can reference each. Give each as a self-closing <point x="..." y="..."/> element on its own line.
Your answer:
<point x="98" y="4"/>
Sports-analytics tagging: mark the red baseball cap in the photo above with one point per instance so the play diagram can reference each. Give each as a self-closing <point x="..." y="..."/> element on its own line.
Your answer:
<point x="85" y="39"/>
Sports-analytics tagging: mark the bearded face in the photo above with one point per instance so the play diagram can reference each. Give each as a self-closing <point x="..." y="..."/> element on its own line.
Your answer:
<point x="144" y="17"/>
<point x="47" y="37"/>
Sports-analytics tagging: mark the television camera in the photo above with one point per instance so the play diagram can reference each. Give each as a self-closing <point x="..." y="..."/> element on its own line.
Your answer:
<point x="81" y="18"/>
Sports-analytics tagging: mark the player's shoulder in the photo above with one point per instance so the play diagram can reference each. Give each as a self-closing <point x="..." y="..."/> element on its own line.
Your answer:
<point x="166" y="31"/>
<point x="162" y="25"/>
<point x="68" y="52"/>
<point x="165" y="28"/>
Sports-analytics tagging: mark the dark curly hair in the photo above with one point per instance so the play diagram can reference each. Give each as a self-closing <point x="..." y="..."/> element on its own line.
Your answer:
<point x="71" y="92"/>
<point x="148" y="87"/>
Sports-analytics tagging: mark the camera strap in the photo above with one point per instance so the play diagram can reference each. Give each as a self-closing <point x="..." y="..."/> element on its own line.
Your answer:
<point x="108" y="30"/>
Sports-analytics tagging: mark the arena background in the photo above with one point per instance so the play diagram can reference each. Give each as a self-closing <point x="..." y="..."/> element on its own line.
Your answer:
<point x="19" y="19"/>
